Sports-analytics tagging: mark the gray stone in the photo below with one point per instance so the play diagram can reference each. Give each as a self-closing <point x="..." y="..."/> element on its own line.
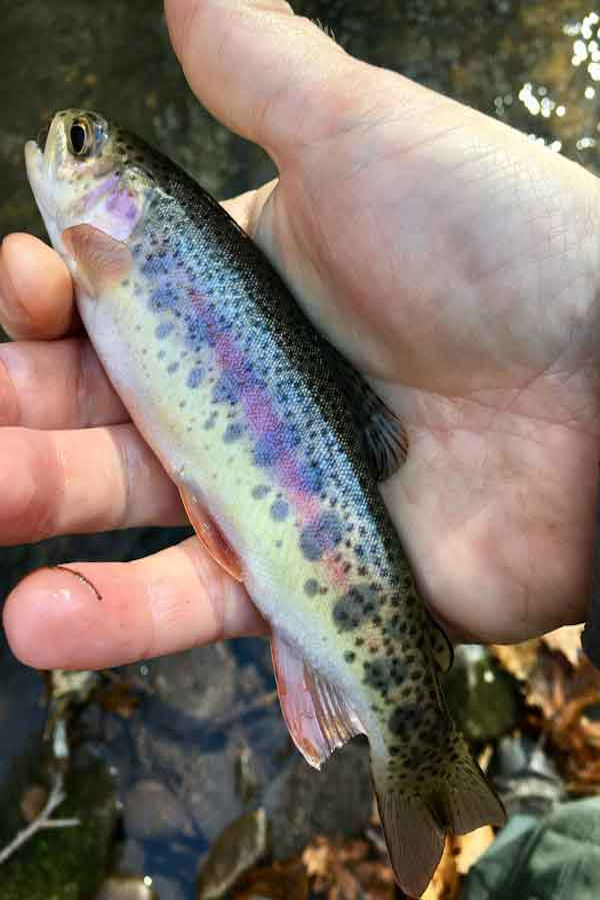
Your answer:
<point x="240" y="847"/>
<point x="129" y="858"/>
<point x="302" y="802"/>
<point x="208" y="792"/>
<point x="151" y="810"/>
<point x="484" y="699"/>
<point x="198" y="682"/>
<point x="123" y="888"/>
<point x="167" y="888"/>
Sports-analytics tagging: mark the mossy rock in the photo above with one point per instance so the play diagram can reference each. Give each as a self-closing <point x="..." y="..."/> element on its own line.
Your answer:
<point x="67" y="863"/>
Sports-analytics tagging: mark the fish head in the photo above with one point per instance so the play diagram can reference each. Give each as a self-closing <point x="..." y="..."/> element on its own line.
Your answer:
<point x="84" y="170"/>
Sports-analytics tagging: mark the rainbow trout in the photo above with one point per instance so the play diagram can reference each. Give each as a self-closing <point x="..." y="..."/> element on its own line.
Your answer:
<point x="277" y="445"/>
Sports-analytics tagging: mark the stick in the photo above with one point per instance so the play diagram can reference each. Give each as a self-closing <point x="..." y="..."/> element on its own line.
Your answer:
<point x="42" y="820"/>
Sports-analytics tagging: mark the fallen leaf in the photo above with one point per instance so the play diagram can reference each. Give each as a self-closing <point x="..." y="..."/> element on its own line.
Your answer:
<point x="240" y="846"/>
<point x="316" y="858"/>
<point x="518" y="659"/>
<point x="33" y="801"/>
<point x="567" y="640"/>
<point x="279" y="881"/>
<point x="445" y="884"/>
<point x="469" y="847"/>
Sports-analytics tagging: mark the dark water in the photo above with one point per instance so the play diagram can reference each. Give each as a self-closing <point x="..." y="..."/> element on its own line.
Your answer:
<point x="535" y="65"/>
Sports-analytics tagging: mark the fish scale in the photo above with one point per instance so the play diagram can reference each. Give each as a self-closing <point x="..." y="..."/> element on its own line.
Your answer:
<point x="277" y="445"/>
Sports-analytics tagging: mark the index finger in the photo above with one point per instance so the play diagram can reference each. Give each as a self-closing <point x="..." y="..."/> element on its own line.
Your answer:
<point x="36" y="290"/>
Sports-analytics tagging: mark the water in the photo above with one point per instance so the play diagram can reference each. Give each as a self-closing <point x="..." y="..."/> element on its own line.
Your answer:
<point x="534" y="65"/>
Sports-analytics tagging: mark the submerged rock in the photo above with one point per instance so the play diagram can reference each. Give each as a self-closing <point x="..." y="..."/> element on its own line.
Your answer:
<point x="484" y="699"/>
<point x="120" y="888"/>
<point x="152" y="811"/>
<point x="66" y="863"/>
<point x="240" y="847"/>
<point x="302" y="802"/>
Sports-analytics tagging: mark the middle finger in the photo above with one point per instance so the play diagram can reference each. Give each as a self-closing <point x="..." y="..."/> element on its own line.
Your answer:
<point x="56" y="385"/>
<point x="67" y="482"/>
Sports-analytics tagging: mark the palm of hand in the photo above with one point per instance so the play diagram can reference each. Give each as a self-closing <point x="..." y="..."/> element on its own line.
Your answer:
<point x="456" y="288"/>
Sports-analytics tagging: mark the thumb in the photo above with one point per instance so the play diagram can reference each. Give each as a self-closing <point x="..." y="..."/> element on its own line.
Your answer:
<point x="258" y="68"/>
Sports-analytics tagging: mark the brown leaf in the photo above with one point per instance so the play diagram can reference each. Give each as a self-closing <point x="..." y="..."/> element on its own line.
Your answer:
<point x="279" y="881"/>
<point x="469" y="847"/>
<point x="518" y="659"/>
<point x="567" y="640"/>
<point x="445" y="884"/>
<point x="346" y="870"/>
<point x="120" y="698"/>
<point x="316" y="858"/>
<point x="33" y="801"/>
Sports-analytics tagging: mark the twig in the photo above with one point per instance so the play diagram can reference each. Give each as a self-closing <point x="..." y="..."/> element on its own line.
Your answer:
<point x="55" y="798"/>
<point x="240" y="712"/>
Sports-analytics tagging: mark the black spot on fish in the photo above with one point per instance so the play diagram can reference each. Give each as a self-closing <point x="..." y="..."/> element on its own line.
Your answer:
<point x="260" y="491"/>
<point x="172" y="367"/>
<point x="195" y="377"/>
<point x="226" y="390"/>
<point x="349" y="656"/>
<point x="410" y="717"/>
<point x="382" y="673"/>
<point x="233" y="432"/>
<point x="311" y="587"/>
<point x="163" y="330"/>
<point x="354" y="608"/>
<point x="279" y="510"/>
<point x="320" y="536"/>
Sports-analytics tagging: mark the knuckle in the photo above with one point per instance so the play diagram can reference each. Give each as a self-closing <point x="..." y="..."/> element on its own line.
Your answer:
<point x="9" y="400"/>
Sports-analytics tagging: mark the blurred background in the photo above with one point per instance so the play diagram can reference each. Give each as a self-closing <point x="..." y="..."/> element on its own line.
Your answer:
<point x="163" y="756"/>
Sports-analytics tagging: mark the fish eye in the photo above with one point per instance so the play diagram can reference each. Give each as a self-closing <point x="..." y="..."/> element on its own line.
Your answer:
<point x="81" y="138"/>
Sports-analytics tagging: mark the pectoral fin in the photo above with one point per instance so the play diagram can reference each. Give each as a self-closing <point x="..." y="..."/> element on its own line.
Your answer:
<point x="210" y="535"/>
<point x="101" y="261"/>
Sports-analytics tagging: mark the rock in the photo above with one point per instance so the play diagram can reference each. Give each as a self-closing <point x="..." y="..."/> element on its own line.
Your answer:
<point x="483" y="698"/>
<point x="199" y="683"/>
<point x="208" y="791"/>
<point x="129" y="858"/>
<point x="302" y="802"/>
<point x="67" y="863"/>
<point x="151" y="810"/>
<point x="525" y="777"/>
<point x="240" y="847"/>
<point x="23" y="715"/>
<point x="120" y="888"/>
<point x="167" y="889"/>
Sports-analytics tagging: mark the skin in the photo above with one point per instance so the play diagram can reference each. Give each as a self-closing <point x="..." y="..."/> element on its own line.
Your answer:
<point x="453" y="261"/>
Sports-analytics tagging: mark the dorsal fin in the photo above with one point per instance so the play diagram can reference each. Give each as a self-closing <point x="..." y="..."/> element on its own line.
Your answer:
<point x="318" y="716"/>
<point x="384" y="438"/>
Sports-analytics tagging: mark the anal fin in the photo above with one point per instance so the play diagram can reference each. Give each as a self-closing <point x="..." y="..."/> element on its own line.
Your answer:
<point x="210" y="535"/>
<point x="317" y="715"/>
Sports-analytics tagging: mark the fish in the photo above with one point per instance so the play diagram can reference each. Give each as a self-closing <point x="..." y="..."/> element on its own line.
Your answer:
<point x="278" y="447"/>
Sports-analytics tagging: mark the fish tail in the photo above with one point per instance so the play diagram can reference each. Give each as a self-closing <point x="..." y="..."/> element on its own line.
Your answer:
<point x="418" y="809"/>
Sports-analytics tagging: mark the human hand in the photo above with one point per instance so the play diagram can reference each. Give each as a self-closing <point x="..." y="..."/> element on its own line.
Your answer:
<point x="453" y="261"/>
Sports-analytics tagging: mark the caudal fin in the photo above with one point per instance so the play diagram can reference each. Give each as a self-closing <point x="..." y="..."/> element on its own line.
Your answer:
<point x="417" y="814"/>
